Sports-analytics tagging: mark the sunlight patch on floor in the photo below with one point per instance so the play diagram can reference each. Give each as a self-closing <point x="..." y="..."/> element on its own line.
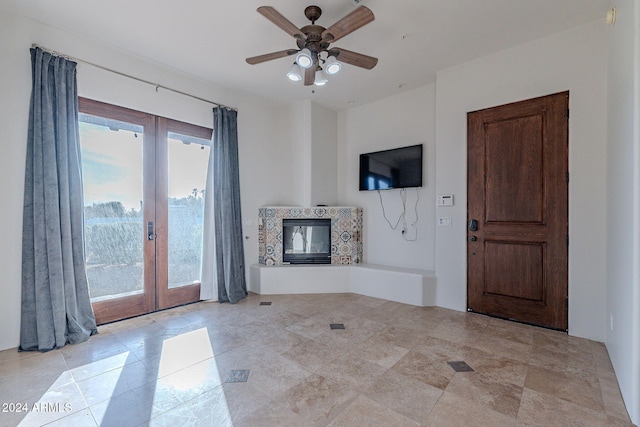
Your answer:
<point x="184" y="350"/>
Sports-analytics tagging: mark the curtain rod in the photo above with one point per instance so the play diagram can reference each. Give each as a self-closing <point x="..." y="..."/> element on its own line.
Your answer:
<point x="156" y="85"/>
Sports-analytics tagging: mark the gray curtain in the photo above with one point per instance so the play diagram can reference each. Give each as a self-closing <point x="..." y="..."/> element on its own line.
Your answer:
<point x="56" y="309"/>
<point x="227" y="263"/>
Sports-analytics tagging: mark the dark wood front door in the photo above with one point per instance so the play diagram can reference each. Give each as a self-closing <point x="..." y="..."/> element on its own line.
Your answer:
<point x="517" y="230"/>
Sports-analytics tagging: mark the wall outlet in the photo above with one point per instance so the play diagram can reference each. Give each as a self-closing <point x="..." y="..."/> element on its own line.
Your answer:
<point x="444" y="221"/>
<point x="611" y="322"/>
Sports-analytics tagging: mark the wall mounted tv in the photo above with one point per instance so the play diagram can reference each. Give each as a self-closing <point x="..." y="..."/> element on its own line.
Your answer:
<point x="395" y="168"/>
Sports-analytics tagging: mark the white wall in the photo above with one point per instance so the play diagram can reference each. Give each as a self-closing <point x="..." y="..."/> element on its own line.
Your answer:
<point x="293" y="159"/>
<point x="311" y="156"/>
<point x="16" y="82"/>
<point x="263" y="129"/>
<point x="324" y="155"/>
<point x="573" y="60"/>
<point x="397" y="121"/>
<point x="623" y="213"/>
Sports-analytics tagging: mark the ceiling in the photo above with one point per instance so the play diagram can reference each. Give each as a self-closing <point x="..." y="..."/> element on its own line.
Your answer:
<point x="413" y="39"/>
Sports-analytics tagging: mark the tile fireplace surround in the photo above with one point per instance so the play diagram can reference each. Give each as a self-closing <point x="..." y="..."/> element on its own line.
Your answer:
<point x="346" y="232"/>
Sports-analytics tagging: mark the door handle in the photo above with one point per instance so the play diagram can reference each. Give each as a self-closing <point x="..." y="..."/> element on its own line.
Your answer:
<point x="473" y="225"/>
<point x="150" y="234"/>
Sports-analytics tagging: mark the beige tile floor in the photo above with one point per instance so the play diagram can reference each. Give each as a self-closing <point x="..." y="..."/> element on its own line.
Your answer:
<point x="387" y="367"/>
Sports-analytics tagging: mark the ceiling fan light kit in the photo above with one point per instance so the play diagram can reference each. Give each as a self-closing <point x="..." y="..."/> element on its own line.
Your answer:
<point x="304" y="58"/>
<point x="313" y="45"/>
<point x="320" y="78"/>
<point x="294" y="73"/>
<point x="332" y="66"/>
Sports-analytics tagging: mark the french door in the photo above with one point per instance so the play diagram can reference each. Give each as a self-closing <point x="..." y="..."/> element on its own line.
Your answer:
<point x="144" y="183"/>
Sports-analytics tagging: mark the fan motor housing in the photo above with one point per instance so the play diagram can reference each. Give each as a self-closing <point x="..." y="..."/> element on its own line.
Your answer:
<point x="312" y="32"/>
<point x="313" y="13"/>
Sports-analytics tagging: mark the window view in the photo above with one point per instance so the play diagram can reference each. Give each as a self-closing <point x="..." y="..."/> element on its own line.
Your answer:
<point x="112" y="173"/>
<point x="187" y="173"/>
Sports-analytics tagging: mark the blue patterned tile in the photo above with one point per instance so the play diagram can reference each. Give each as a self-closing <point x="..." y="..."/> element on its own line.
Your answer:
<point x="238" y="376"/>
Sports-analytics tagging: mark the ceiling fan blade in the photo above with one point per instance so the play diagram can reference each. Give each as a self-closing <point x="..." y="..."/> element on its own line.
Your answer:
<point x="276" y="17"/>
<point x="310" y="75"/>
<point x="269" y="56"/>
<point x="354" y="20"/>
<point x="354" y="58"/>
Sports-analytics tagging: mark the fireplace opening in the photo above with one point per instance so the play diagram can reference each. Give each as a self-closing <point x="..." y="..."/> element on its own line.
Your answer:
<point x="306" y="241"/>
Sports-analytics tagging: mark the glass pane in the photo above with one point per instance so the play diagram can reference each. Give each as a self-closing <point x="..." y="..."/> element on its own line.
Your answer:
<point x="112" y="174"/>
<point x="306" y="241"/>
<point x="187" y="174"/>
<point x="303" y="239"/>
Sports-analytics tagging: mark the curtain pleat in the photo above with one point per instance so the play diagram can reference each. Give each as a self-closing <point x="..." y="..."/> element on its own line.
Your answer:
<point x="56" y="307"/>
<point x="224" y="257"/>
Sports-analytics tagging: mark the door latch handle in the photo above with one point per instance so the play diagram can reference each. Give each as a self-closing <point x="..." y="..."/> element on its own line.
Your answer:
<point x="150" y="234"/>
<point x="473" y="225"/>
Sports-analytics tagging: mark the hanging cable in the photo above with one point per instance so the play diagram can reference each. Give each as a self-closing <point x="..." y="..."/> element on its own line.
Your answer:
<point x="384" y="214"/>
<point x="403" y="215"/>
<point x="413" y="224"/>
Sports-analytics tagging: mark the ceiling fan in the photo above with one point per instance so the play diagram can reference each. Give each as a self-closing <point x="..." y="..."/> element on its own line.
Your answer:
<point x="314" y="42"/>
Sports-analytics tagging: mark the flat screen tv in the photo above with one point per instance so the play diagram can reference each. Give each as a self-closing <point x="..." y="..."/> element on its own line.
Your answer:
<point x="395" y="168"/>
